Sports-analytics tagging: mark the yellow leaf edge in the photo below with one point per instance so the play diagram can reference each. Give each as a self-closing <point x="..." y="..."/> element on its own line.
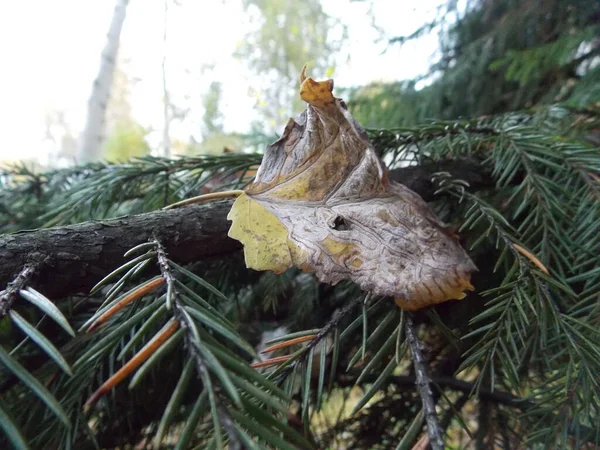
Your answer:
<point x="265" y="239"/>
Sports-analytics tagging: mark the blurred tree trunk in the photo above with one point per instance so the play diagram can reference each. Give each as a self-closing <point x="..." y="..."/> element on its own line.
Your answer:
<point x="166" y="141"/>
<point x="93" y="133"/>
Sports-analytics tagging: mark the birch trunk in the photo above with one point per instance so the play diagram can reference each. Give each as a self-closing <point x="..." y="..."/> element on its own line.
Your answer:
<point x="93" y="133"/>
<point x="166" y="141"/>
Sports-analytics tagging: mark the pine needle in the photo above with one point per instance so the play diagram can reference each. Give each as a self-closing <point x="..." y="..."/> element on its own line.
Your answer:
<point x="531" y="258"/>
<point x="205" y="197"/>
<point x="270" y="362"/>
<point x="159" y="339"/>
<point x="138" y="293"/>
<point x="289" y="343"/>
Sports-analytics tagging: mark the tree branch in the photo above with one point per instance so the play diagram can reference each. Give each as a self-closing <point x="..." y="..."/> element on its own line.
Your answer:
<point x="78" y="256"/>
<point x="496" y="396"/>
<point x="423" y="382"/>
<point x="192" y="345"/>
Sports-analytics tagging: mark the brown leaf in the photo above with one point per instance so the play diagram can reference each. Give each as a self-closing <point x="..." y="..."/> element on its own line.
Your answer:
<point x="322" y="201"/>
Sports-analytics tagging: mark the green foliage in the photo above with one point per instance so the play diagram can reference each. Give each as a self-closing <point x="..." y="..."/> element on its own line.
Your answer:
<point x="513" y="365"/>
<point x="495" y="57"/>
<point x="212" y="116"/>
<point x="385" y="105"/>
<point x="218" y="142"/>
<point x="107" y="190"/>
<point x="530" y="340"/>
<point x="533" y="64"/>
<point x="127" y="140"/>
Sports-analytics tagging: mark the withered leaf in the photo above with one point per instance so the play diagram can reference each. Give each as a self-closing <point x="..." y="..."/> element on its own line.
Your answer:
<point x="322" y="201"/>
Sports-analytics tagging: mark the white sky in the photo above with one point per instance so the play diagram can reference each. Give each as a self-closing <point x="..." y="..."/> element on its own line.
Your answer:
<point x="50" y="53"/>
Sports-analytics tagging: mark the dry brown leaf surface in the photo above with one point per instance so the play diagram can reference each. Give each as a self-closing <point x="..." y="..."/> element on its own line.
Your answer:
<point x="322" y="201"/>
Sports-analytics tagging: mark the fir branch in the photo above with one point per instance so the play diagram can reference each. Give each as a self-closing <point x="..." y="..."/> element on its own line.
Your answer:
<point x="82" y="254"/>
<point x="423" y="382"/>
<point x="184" y="320"/>
<point x="300" y="357"/>
<point x="526" y="309"/>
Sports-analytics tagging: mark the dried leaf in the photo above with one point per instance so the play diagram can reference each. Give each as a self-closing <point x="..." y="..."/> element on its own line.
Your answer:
<point x="322" y="201"/>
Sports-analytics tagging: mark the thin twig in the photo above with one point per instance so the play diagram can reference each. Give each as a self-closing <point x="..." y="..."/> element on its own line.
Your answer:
<point x="205" y="198"/>
<point x="455" y="408"/>
<point x="336" y="319"/>
<point x="451" y="383"/>
<point x="183" y="319"/>
<point x="423" y="382"/>
<point x="328" y="328"/>
<point x="10" y="294"/>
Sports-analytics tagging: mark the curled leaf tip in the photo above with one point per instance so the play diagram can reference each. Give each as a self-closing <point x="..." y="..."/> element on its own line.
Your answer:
<point x="303" y="74"/>
<point x="317" y="93"/>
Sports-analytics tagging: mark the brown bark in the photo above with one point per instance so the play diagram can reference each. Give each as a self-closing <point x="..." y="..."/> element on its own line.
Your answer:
<point x="71" y="259"/>
<point x="78" y="256"/>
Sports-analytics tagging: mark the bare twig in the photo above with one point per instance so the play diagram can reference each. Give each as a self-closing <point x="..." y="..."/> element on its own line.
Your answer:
<point x="423" y="382"/>
<point x="9" y="295"/>
<point x="191" y="344"/>
<point x="451" y="383"/>
<point x="328" y="328"/>
<point x="496" y="396"/>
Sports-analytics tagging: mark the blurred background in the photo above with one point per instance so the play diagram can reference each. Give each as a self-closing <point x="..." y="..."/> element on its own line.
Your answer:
<point x="85" y="81"/>
<point x="111" y="79"/>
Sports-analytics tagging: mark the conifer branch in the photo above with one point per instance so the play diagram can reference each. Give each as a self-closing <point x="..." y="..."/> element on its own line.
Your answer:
<point x="192" y="343"/>
<point x="82" y="254"/>
<point x="423" y="382"/>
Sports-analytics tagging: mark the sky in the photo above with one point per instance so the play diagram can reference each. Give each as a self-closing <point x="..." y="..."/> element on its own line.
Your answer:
<point x="51" y="53"/>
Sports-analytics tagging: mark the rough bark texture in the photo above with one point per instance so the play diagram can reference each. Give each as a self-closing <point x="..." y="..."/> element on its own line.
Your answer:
<point x="78" y="256"/>
<point x="74" y="258"/>
<point x="93" y="133"/>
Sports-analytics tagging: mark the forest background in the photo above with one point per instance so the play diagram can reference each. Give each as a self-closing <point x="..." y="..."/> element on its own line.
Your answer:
<point x="489" y="109"/>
